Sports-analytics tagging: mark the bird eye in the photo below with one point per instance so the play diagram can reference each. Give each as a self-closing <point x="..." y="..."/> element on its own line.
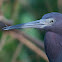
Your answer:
<point x="51" y="21"/>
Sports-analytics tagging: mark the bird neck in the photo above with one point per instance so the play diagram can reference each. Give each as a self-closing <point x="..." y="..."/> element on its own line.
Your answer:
<point x="53" y="46"/>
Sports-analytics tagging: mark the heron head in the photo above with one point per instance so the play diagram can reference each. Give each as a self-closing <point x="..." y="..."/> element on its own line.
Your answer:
<point x="49" y="22"/>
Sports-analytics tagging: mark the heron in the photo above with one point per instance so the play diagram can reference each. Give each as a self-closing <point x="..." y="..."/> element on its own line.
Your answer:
<point x="52" y="24"/>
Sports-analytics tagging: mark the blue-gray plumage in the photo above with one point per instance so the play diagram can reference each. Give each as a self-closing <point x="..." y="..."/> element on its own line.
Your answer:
<point x="52" y="24"/>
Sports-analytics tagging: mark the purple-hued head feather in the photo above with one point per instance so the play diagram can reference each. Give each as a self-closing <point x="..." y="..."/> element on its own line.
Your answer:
<point x="53" y="38"/>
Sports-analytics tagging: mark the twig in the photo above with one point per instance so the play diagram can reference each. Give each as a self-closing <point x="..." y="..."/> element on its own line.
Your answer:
<point x="1" y="2"/>
<point x="60" y="5"/>
<point x="18" y="49"/>
<point x="16" y="9"/>
<point x="36" y="41"/>
<point x="2" y="41"/>
<point x="6" y="21"/>
<point x="29" y="44"/>
<point x="48" y="5"/>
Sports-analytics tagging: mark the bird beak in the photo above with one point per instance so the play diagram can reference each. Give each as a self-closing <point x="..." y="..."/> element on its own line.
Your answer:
<point x="35" y="24"/>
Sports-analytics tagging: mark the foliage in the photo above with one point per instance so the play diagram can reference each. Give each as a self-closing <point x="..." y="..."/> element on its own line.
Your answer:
<point x="22" y="11"/>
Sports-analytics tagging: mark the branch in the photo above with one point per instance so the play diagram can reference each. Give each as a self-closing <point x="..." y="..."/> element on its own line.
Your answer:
<point x="2" y="41"/>
<point x="36" y="41"/>
<point x="29" y="44"/>
<point x="1" y="2"/>
<point x="18" y="49"/>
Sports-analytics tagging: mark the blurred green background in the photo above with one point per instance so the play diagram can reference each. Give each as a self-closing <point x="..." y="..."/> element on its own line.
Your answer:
<point x="22" y="11"/>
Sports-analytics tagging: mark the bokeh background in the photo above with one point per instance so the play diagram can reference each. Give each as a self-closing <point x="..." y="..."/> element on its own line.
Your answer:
<point x="24" y="45"/>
